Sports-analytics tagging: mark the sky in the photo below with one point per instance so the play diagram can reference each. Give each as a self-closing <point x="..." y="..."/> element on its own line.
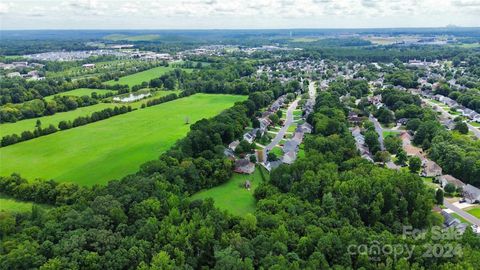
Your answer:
<point x="235" y="14"/>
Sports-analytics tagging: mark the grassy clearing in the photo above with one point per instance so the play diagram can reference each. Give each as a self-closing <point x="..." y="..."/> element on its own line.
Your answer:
<point x="11" y="205"/>
<point x="143" y="76"/>
<point x="232" y="196"/>
<point x="292" y="128"/>
<point x="277" y="151"/>
<point x="29" y="124"/>
<point x="474" y="212"/>
<point x="112" y="148"/>
<point x="389" y="133"/>
<point x="81" y="92"/>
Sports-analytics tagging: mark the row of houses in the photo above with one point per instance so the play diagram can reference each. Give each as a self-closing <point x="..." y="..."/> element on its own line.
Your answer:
<point x="360" y="143"/>
<point x="469" y="113"/>
<point x="20" y="65"/>
<point x="33" y="75"/>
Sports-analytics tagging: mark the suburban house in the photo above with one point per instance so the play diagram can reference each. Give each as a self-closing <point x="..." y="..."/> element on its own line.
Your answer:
<point x="354" y="118"/>
<point x="14" y="74"/>
<point x="250" y="136"/>
<point x="88" y="66"/>
<point x="402" y="121"/>
<point x="305" y="128"/>
<point x="448" y="179"/>
<point x="452" y="222"/>
<point x="360" y="144"/>
<point x="471" y="194"/>
<point x="431" y="169"/>
<point x="233" y="145"/>
<point x="244" y="166"/>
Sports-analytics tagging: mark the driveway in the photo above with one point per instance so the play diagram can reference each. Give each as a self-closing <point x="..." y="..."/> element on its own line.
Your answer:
<point x="462" y="213"/>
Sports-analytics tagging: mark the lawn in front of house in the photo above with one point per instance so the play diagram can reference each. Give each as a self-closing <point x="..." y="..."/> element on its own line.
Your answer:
<point x="475" y="211"/>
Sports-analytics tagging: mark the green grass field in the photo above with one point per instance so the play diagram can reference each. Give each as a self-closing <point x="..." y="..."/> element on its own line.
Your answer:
<point x="143" y="76"/>
<point x="11" y="205"/>
<point x="81" y="92"/>
<point x="474" y="212"/>
<point x="29" y="124"/>
<point x="389" y="133"/>
<point x="292" y="128"/>
<point x="277" y="151"/>
<point x="112" y="148"/>
<point x="232" y="195"/>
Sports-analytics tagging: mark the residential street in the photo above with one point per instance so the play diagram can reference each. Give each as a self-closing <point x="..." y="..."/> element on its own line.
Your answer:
<point x="462" y="213"/>
<point x="379" y="130"/>
<point x="281" y="132"/>
<point x="445" y="113"/>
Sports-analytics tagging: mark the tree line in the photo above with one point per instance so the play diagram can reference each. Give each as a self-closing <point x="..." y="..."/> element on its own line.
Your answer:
<point x="63" y="125"/>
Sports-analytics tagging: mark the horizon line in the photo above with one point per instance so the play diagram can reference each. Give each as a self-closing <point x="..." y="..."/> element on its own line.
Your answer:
<point x="215" y="29"/>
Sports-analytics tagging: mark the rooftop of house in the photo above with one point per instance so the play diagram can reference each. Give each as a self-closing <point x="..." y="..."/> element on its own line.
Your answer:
<point x="452" y="180"/>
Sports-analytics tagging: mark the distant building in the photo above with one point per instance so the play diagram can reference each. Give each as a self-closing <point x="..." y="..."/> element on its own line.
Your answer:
<point x="14" y="74"/>
<point x="88" y="66"/>
<point x="20" y="64"/>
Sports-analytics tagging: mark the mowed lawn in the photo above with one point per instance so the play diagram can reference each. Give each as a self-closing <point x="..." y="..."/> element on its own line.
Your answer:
<point x="474" y="212"/>
<point x="29" y="124"/>
<point x="143" y="76"/>
<point x="112" y="148"/>
<point x="232" y="195"/>
<point x="81" y="92"/>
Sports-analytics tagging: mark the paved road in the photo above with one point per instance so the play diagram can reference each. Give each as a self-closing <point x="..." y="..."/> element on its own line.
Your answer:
<point x="446" y="114"/>
<point x="312" y="91"/>
<point x="462" y="213"/>
<point x="379" y="130"/>
<point x="281" y="132"/>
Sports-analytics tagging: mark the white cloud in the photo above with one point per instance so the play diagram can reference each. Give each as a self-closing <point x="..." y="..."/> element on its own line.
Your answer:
<point x="228" y="13"/>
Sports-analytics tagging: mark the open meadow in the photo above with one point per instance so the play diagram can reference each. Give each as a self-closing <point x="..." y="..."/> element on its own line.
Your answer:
<point x="232" y="195"/>
<point x="111" y="148"/>
<point x="143" y="76"/>
<point x="8" y="204"/>
<point x="29" y="124"/>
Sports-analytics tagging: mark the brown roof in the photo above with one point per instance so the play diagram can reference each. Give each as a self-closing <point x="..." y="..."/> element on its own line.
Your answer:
<point x="452" y="180"/>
